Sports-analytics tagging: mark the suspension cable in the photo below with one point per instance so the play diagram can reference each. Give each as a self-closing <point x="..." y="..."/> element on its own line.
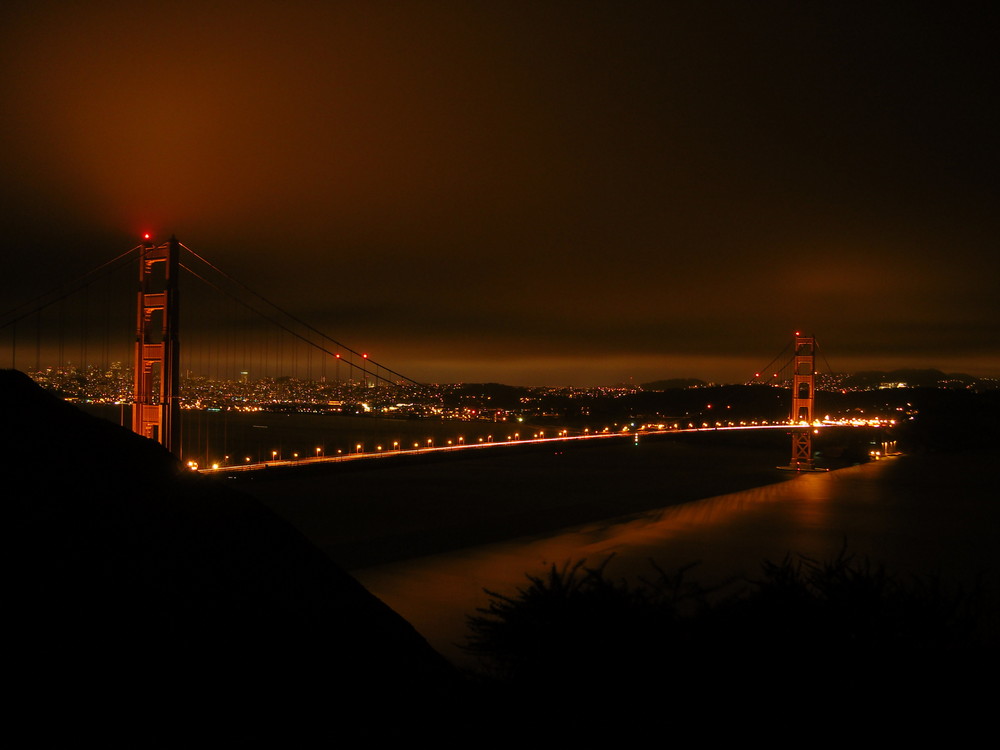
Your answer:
<point x="281" y="325"/>
<point x="767" y="367"/>
<point x="823" y="354"/>
<point x="67" y="286"/>
<point x="296" y="319"/>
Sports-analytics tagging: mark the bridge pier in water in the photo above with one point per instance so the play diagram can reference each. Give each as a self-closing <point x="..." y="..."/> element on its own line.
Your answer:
<point x="803" y="401"/>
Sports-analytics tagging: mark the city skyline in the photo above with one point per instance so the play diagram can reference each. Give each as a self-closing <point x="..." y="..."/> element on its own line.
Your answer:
<point x="535" y="194"/>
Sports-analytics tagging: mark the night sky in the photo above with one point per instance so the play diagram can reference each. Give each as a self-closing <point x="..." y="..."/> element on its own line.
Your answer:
<point x="530" y="192"/>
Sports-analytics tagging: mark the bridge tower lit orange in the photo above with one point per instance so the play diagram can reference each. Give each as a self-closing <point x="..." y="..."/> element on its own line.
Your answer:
<point x="803" y="398"/>
<point x="156" y="403"/>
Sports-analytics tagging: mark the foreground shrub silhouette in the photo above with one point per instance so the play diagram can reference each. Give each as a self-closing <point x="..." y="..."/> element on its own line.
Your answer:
<point x="576" y="619"/>
<point x="575" y="625"/>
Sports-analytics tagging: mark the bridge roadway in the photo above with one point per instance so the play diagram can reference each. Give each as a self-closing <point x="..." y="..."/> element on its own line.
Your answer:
<point x="604" y="435"/>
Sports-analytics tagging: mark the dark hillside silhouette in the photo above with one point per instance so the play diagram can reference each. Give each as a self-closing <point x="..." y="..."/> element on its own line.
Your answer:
<point x="148" y="602"/>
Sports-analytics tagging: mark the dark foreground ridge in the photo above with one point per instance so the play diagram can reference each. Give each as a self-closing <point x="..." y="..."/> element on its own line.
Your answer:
<point x="149" y="603"/>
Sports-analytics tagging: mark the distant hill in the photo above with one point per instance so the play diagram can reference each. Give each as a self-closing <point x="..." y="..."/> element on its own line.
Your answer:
<point x="914" y="378"/>
<point x="671" y="384"/>
<point x="149" y="602"/>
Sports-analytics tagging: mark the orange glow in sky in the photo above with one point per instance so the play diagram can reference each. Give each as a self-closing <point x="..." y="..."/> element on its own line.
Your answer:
<point x="646" y="190"/>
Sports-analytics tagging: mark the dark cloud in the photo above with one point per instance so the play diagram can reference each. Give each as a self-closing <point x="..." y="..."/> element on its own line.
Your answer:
<point x="585" y="191"/>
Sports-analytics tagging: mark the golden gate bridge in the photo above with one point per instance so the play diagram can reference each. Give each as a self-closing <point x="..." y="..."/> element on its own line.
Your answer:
<point x="284" y="350"/>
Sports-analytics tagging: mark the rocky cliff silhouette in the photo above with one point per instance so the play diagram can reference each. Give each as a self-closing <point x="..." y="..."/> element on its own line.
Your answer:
<point x="149" y="602"/>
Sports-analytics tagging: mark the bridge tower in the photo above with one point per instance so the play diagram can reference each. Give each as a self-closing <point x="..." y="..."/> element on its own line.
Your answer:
<point x="803" y="398"/>
<point x="156" y="403"/>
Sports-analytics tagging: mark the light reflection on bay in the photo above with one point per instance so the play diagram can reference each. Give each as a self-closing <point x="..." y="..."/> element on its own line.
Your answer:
<point x="894" y="511"/>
